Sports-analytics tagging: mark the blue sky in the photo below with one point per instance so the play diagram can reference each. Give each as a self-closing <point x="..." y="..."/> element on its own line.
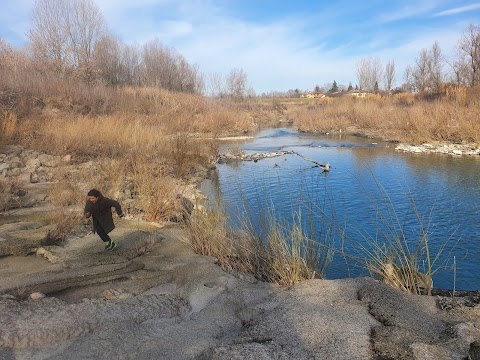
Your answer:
<point x="282" y="44"/>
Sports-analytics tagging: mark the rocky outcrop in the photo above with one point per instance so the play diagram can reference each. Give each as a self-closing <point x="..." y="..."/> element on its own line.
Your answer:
<point x="179" y="305"/>
<point x="28" y="166"/>
<point x="442" y="148"/>
<point x="243" y="156"/>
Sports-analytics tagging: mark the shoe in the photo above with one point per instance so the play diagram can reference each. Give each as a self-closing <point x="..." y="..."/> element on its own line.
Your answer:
<point x="112" y="246"/>
<point x="108" y="244"/>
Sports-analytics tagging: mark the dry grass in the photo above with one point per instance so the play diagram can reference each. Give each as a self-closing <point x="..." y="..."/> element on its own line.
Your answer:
<point x="293" y="257"/>
<point x="401" y="117"/>
<point x="286" y="257"/>
<point x="8" y="127"/>
<point x="63" y="222"/>
<point x="396" y="255"/>
<point x="8" y="197"/>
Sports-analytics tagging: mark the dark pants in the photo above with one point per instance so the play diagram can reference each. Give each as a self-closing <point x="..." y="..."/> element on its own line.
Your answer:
<point x="103" y="235"/>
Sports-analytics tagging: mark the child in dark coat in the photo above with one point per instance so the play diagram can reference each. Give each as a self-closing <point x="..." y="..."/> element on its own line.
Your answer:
<point x="100" y="209"/>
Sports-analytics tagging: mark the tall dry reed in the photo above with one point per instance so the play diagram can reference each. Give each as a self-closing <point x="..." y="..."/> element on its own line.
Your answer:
<point x="401" y="117"/>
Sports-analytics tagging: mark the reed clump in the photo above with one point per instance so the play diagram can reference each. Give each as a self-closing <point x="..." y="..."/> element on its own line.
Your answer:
<point x="398" y="256"/>
<point x="62" y="223"/>
<point x="286" y="257"/>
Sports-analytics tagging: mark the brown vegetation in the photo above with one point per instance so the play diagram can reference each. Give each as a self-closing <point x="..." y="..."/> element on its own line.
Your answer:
<point x="402" y="117"/>
<point x="287" y="257"/>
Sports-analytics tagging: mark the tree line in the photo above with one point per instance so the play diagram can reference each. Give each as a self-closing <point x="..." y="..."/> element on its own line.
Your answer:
<point x="430" y="69"/>
<point x="69" y="39"/>
<point x="430" y="72"/>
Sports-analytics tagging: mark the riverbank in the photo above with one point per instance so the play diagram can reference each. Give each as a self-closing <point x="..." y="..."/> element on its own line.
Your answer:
<point x="153" y="297"/>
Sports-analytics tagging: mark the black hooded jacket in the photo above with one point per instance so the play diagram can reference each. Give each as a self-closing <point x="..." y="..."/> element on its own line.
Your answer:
<point x="101" y="213"/>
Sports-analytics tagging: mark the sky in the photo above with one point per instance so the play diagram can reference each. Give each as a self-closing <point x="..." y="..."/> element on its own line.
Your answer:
<point x="281" y="44"/>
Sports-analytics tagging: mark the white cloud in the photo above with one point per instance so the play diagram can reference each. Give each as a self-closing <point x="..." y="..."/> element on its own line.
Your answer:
<point x="459" y="10"/>
<point x="408" y="11"/>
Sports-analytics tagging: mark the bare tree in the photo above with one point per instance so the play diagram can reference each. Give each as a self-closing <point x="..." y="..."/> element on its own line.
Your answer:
<point x="107" y="59"/>
<point x="164" y="67"/>
<point x="435" y="67"/>
<point x="130" y="72"/>
<point x="369" y="72"/>
<point x="237" y="83"/>
<point x="460" y="68"/>
<point x="409" y="81"/>
<point x="216" y="85"/>
<point x="49" y="38"/>
<point x="469" y="45"/>
<point x="85" y="27"/>
<point x="64" y="33"/>
<point x="427" y="72"/>
<point x="389" y="75"/>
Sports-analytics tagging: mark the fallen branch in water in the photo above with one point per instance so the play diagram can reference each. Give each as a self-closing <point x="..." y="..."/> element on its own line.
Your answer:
<point x="325" y="167"/>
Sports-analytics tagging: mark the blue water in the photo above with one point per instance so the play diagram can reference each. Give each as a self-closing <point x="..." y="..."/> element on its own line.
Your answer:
<point x="371" y="192"/>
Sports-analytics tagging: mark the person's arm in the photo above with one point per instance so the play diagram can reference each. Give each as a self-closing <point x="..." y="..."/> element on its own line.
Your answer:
<point x="117" y="206"/>
<point x="86" y="211"/>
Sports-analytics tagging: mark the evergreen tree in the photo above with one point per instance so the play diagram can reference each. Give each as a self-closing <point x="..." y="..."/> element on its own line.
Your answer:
<point x="375" y="87"/>
<point x="317" y="89"/>
<point x="334" y="88"/>
<point x="350" y="87"/>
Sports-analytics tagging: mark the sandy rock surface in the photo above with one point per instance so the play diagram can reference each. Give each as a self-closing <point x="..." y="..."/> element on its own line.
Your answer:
<point x="153" y="298"/>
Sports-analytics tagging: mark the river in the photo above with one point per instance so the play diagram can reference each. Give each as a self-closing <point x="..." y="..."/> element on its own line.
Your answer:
<point x="372" y="194"/>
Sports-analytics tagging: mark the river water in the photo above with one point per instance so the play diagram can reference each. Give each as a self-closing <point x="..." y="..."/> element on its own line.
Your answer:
<point x="372" y="194"/>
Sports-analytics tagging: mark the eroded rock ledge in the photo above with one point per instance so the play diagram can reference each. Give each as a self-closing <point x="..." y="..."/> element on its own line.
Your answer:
<point x="443" y="148"/>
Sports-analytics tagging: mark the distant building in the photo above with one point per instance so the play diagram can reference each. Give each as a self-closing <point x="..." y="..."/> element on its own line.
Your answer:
<point x="357" y="93"/>
<point x="313" y="95"/>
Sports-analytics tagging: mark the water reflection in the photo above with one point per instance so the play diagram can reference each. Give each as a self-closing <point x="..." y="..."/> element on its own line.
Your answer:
<point x="443" y="189"/>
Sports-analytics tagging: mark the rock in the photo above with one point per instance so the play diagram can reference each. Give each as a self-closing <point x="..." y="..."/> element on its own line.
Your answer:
<point x="15" y="164"/>
<point x="474" y="351"/>
<point x="26" y="177"/>
<point x="37" y="296"/>
<point x="8" y="297"/>
<point x="33" y="164"/>
<point x="115" y="294"/>
<point x="49" y="160"/>
<point x="4" y="166"/>
<point x="67" y="159"/>
<point x="34" y="178"/>
<point x="15" y="172"/>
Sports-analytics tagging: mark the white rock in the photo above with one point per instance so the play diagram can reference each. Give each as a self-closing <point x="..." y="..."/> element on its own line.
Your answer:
<point x="49" y="160"/>
<point x="115" y="294"/>
<point x="33" y="164"/>
<point x="37" y="296"/>
<point x="26" y="177"/>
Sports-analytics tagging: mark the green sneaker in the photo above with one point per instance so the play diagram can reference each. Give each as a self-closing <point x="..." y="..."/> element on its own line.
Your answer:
<point x="112" y="246"/>
<point x="108" y="244"/>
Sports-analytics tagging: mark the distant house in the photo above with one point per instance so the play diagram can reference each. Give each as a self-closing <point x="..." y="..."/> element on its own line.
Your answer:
<point x="359" y="94"/>
<point x="313" y="95"/>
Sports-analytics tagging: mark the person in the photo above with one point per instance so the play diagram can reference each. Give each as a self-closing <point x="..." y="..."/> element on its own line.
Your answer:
<point x="185" y="207"/>
<point x="100" y="209"/>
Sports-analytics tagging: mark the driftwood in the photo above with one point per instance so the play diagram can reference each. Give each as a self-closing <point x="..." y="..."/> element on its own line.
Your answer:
<point x="325" y="167"/>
